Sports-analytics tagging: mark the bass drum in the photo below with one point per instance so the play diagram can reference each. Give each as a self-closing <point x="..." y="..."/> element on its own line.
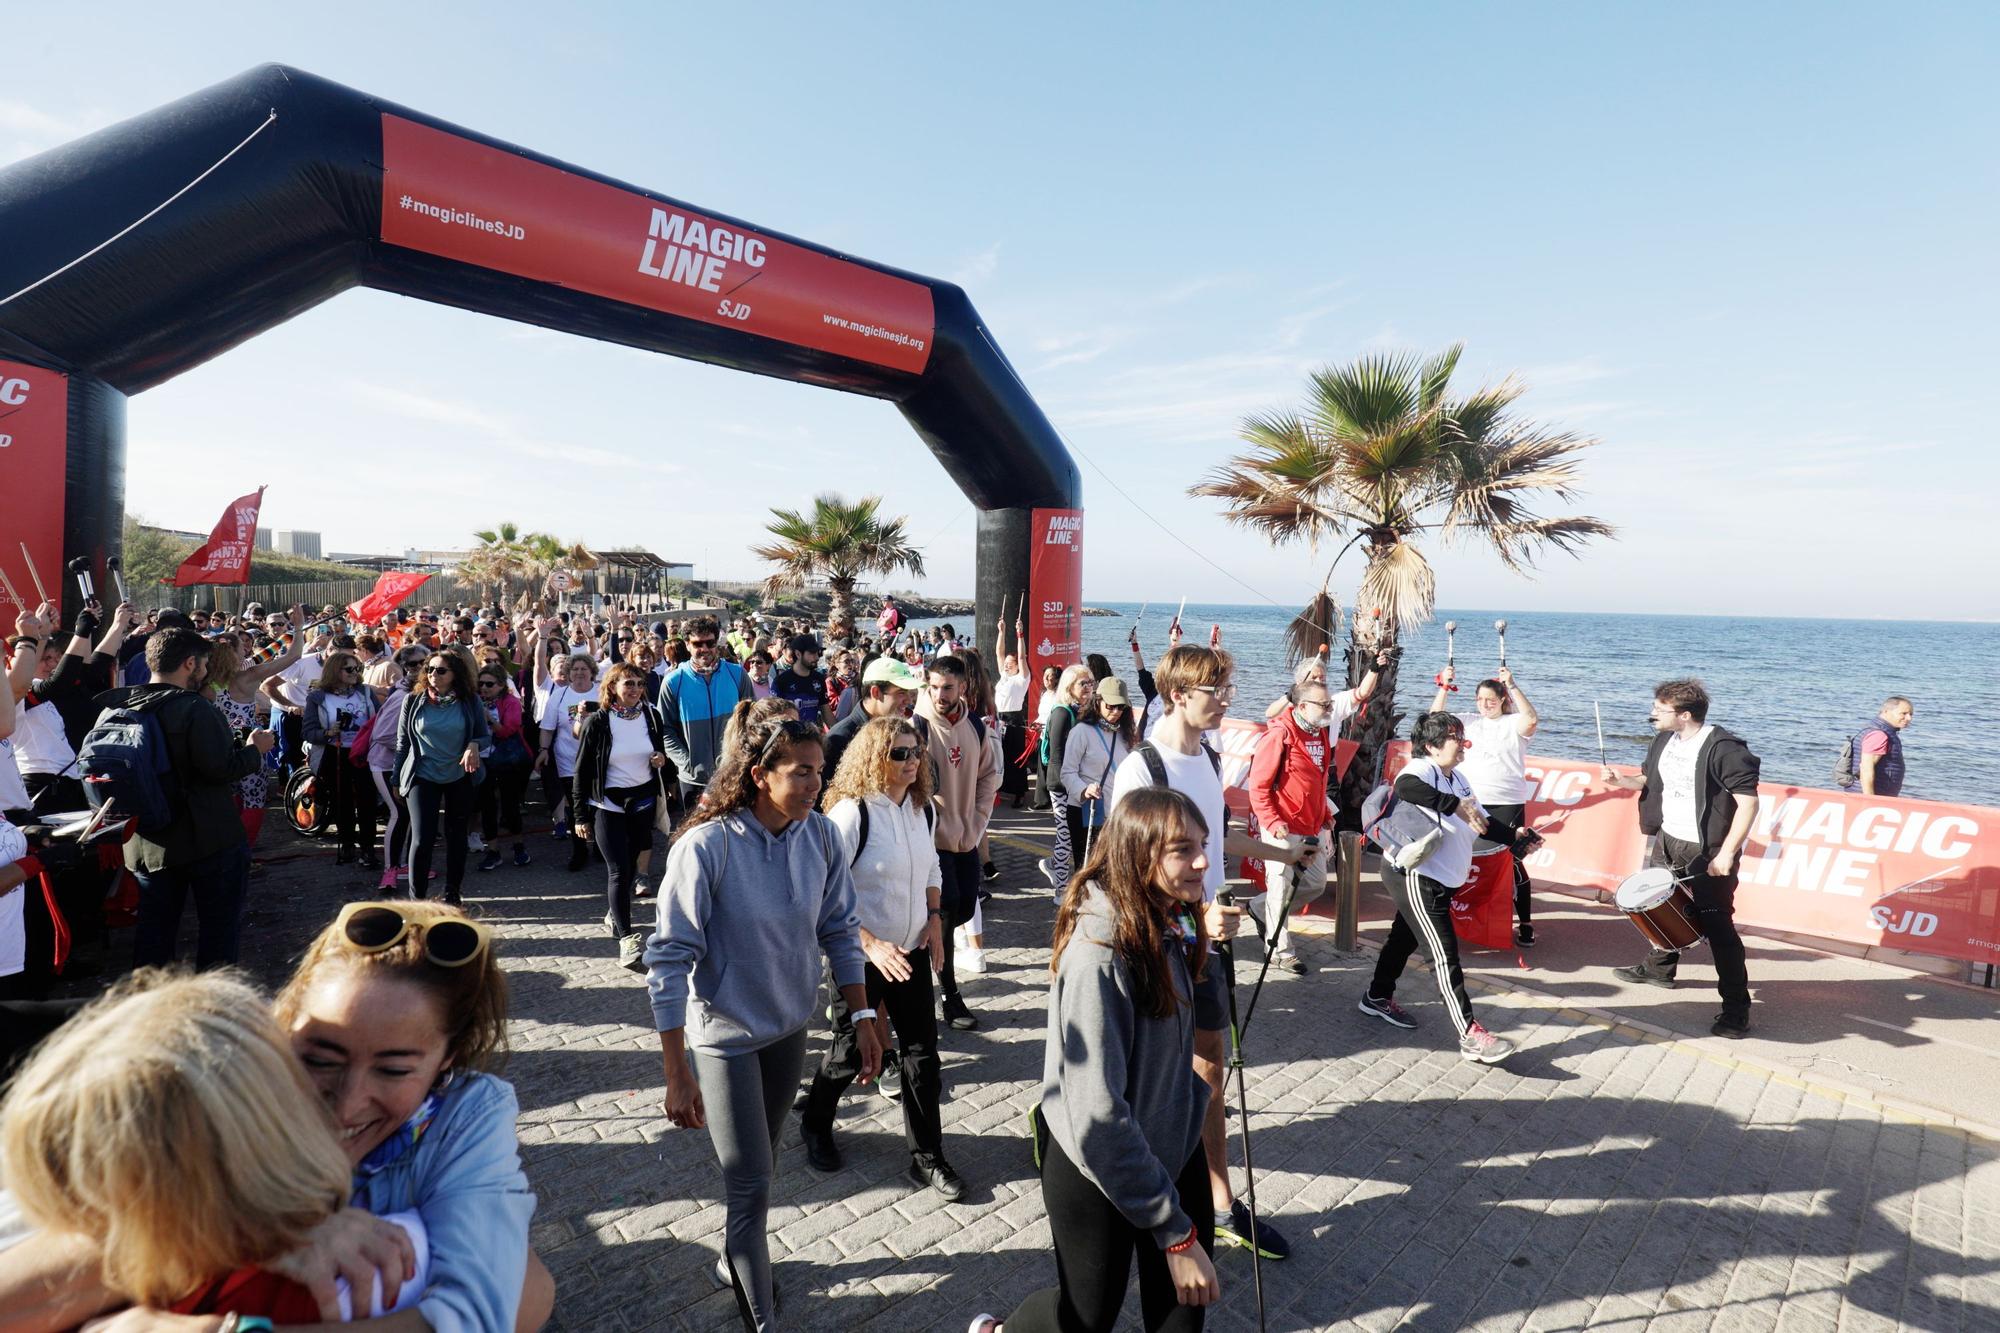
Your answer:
<point x="1661" y="907"/>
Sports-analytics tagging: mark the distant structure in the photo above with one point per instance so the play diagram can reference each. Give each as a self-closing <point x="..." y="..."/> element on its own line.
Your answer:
<point x="264" y="540"/>
<point x="296" y="542"/>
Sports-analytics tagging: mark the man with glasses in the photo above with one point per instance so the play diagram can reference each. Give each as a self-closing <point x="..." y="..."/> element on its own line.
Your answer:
<point x="1291" y="786"/>
<point x="696" y="699"/>
<point x="1196" y="688"/>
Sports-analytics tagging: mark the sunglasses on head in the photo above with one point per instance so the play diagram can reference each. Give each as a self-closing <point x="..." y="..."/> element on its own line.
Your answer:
<point x="374" y="927"/>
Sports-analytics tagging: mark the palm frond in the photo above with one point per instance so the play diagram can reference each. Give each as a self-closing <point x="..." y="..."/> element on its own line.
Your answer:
<point x="1399" y="583"/>
<point x="1317" y="625"/>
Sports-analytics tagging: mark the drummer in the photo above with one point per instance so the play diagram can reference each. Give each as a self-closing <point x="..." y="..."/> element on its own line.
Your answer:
<point x="1423" y="895"/>
<point x="1496" y="764"/>
<point x="1698" y="796"/>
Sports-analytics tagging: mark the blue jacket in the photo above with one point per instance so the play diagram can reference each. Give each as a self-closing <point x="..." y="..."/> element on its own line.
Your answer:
<point x="458" y="1165"/>
<point x="696" y="709"/>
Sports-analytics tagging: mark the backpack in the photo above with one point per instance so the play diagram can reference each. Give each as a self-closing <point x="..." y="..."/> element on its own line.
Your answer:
<point x="124" y="759"/>
<point x="861" y="844"/>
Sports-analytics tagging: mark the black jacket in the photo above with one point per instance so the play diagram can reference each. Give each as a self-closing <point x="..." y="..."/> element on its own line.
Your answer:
<point x="73" y="688"/>
<point x="1725" y="768"/>
<point x="593" y="758"/>
<point x="206" y="763"/>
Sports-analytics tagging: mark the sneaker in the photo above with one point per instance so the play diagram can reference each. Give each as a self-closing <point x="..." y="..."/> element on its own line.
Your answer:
<point x="368" y="861"/>
<point x="938" y="1175"/>
<point x="1483" y="1047"/>
<point x="1048" y="871"/>
<point x="1238" y="1230"/>
<point x="1387" y="1010"/>
<point x="985" y="1323"/>
<point x="520" y="853"/>
<point x="1643" y="975"/>
<point x="822" y="1153"/>
<point x="391" y="881"/>
<point x="452" y="898"/>
<point x="632" y="952"/>
<point x="1733" y="1026"/>
<point x="1524" y="937"/>
<point x="969" y="959"/>
<point x="956" y="1015"/>
<point x="990" y="871"/>
<point x="1289" y="961"/>
<point x="474" y="843"/>
<point x="490" y="861"/>
<point x="890" y="1081"/>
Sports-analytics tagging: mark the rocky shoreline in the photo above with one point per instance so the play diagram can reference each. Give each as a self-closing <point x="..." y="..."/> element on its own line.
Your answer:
<point x="814" y="606"/>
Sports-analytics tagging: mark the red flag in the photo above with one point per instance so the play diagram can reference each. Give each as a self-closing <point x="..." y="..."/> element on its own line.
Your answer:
<point x="390" y="592"/>
<point x="225" y="556"/>
<point x="1482" y="909"/>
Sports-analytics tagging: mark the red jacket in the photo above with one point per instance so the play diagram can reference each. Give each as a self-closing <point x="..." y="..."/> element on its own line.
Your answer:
<point x="1288" y="777"/>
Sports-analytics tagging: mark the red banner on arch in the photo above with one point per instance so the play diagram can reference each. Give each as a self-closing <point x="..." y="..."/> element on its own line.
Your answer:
<point x="1055" y="595"/>
<point x="34" y="465"/>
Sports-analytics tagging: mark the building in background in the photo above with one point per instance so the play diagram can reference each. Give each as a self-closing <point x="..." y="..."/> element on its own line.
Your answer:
<point x="293" y="541"/>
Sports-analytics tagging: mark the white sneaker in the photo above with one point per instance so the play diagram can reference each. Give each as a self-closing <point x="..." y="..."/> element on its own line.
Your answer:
<point x="1048" y="872"/>
<point x="969" y="960"/>
<point x="474" y="843"/>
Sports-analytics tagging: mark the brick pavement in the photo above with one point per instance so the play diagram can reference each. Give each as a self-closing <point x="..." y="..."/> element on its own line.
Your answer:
<point x="1600" y="1179"/>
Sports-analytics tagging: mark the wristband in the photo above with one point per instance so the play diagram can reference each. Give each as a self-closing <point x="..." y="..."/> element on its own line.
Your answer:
<point x="859" y="1014"/>
<point x="935" y="912"/>
<point x="1183" y="1246"/>
<point x="246" y="1323"/>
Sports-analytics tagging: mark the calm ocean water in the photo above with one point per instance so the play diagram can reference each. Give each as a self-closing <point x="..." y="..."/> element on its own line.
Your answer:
<point x="1791" y="688"/>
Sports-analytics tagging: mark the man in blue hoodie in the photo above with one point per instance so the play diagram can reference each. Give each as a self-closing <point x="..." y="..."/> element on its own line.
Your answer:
<point x="695" y="700"/>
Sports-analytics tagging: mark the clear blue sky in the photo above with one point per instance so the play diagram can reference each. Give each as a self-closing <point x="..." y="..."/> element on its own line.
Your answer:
<point x="1750" y="247"/>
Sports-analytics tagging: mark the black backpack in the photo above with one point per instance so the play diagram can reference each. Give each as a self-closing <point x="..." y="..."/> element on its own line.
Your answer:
<point x="1156" y="767"/>
<point x="124" y="759"/>
<point x="861" y="843"/>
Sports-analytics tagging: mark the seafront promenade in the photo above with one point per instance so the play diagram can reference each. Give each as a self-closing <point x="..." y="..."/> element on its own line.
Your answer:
<point x="1825" y="1174"/>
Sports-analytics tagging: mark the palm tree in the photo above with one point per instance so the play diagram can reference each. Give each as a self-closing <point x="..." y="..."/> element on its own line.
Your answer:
<point x="841" y="543"/>
<point x="506" y="555"/>
<point x="1380" y="454"/>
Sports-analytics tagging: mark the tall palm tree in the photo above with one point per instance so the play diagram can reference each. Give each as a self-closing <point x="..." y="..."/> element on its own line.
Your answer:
<point x="506" y="555"/>
<point x="1380" y="454"/>
<point x="841" y="543"/>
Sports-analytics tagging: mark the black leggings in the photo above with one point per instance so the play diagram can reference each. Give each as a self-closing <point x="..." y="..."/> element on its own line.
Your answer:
<point x="621" y="836"/>
<point x="912" y="1011"/>
<point x="1423" y="916"/>
<point x="425" y="800"/>
<point x="1511" y="816"/>
<point x="1095" y="1247"/>
<point x="500" y="801"/>
<point x="958" y="895"/>
<point x="348" y="797"/>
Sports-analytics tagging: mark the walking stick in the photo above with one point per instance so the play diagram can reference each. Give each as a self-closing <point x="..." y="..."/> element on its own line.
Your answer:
<point x="1500" y="627"/>
<point x="1598" y="709"/>
<point x="1238" y="1030"/>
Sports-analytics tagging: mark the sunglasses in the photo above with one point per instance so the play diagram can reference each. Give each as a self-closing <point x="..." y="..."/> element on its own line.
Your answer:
<point x="374" y="927"/>
<point x="350" y="670"/>
<point x="701" y="643"/>
<point x="489" y="684"/>
<point x="439" y="670"/>
<point x="903" y="754"/>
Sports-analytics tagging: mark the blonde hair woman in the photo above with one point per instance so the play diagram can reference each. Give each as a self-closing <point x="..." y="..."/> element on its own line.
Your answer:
<point x="1076" y="701"/>
<point x="167" y="1136"/>
<point x="336" y="710"/>
<point x="880" y="801"/>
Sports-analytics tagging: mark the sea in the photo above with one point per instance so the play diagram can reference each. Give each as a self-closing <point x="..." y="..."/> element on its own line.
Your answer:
<point x="1792" y="688"/>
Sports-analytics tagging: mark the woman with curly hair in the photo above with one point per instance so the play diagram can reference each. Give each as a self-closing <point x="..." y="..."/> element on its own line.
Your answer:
<point x="1118" y="1130"/>
<point x="757" y="889"/>
<point x="880" y="801"/>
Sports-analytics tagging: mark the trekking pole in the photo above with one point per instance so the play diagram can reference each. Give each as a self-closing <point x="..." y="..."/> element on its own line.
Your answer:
<point x="1224" y="957"/>
<point x="1500" y="628"/>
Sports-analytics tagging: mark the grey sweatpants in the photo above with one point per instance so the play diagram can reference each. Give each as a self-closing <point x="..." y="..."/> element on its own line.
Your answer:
<point x="745" y="1098"/>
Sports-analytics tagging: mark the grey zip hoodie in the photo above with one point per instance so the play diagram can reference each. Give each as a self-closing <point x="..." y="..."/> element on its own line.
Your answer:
<point x="743" y="919"/>
<point x="1119" y="1091"/>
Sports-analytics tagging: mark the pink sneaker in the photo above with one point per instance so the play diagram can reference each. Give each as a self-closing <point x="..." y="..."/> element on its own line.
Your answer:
<point x="1483" y="1047"/>
<point x="392" y="879"/>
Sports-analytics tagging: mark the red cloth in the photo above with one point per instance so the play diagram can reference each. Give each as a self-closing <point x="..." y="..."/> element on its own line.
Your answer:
<point x="1482" y="911"/>
<point x="390" y="591"/>
<point x="34" y="873"/>
<point x="254" y="1291"/>
<point x="225" y="556"/>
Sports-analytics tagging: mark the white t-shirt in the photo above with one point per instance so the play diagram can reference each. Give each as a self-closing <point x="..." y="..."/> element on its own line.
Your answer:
<point x="1496" y="761"/>
<point x="1010" y="693"/>
<point x="13" y="905"/>
<point x="1678" y="775"/>
<point x="559" y="715"/>
<point x="13" y="792"/>
<point x="40" y="743"/>
<point x="1193" y="776"/>
<point x="299" y="677"/>
<point x="631" y="762"/>
<point x="1450" y="862"/>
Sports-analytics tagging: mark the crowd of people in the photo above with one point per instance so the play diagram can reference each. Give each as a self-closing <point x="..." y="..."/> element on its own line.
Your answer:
<point x="808" y="826"/>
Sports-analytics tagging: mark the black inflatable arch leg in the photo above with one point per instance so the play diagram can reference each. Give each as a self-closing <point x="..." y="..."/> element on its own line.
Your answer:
<point x="94" y="489"/>
<point x="1003" y="553"/>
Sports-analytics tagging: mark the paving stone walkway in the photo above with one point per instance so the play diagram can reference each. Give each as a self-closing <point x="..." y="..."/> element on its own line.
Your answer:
<point x="1599" y="1179"/>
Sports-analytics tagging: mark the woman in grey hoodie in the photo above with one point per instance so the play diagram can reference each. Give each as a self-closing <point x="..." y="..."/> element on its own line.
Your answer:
<point x="757" y="888"/>
<point x="1118" y="1132"/>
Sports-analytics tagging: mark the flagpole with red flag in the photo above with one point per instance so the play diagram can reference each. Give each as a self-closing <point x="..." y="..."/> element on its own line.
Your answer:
<point x="225" y="556"/>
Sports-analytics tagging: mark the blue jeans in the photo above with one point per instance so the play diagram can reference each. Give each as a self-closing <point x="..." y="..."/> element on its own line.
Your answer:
<point x="218" y="882"/>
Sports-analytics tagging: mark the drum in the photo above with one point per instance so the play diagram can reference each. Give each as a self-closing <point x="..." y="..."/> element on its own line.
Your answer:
<point x="1661" y="907"/>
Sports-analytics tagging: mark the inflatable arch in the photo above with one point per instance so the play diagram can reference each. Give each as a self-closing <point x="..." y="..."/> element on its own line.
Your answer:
<point x="271" y="192"/>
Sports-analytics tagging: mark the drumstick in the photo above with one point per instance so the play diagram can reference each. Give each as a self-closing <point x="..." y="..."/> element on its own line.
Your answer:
<point x="35" y="574"/>
<point x="1598" y="709"/>
<point x="1501" y="627"/>
<point x="7" y="585"/>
